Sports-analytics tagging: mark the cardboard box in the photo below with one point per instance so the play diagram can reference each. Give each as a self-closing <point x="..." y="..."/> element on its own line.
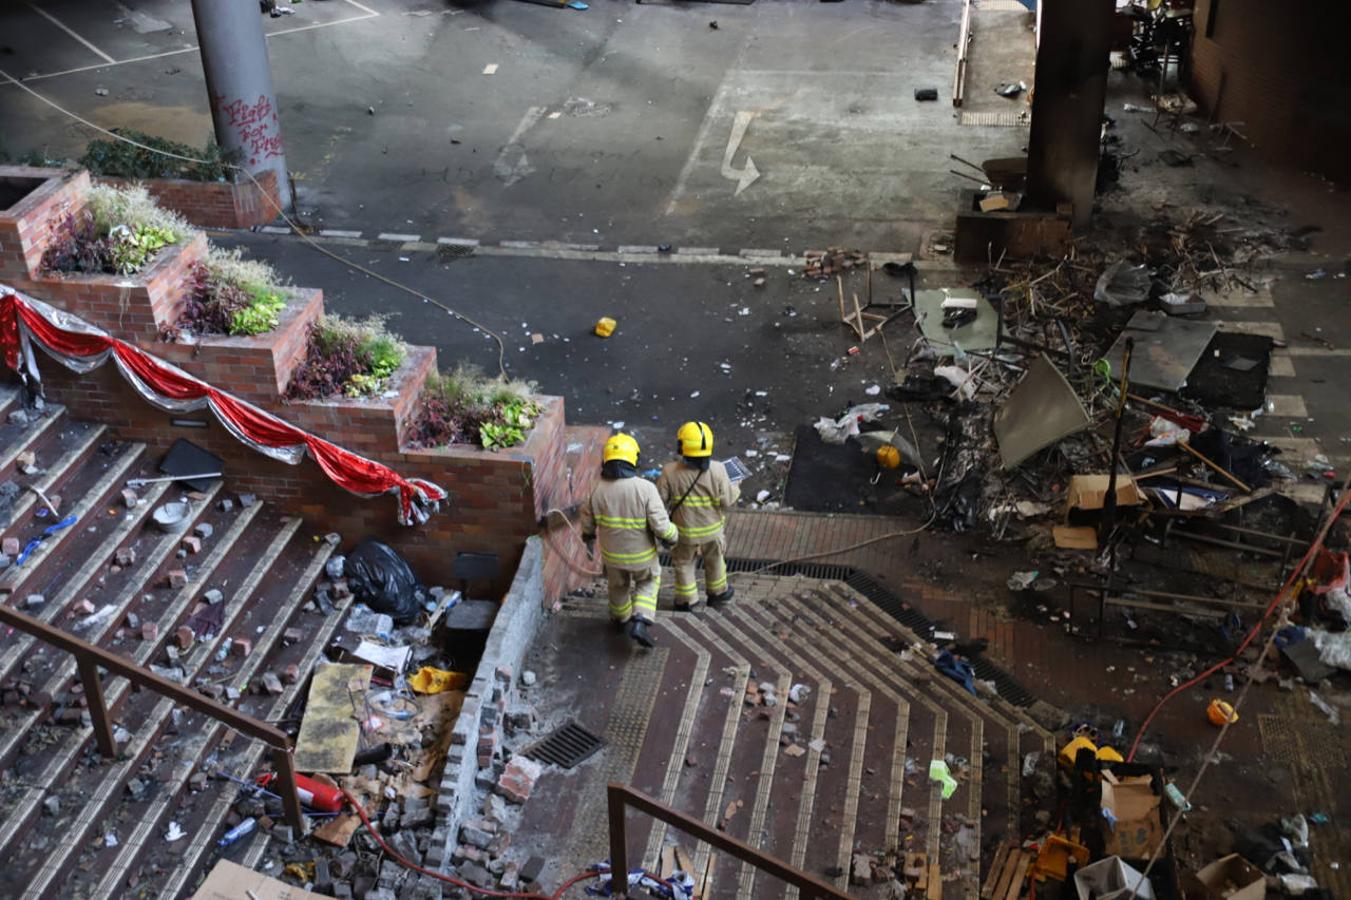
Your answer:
<point x="1228" y="878"/>
<point x="1111" y="879"/>
<point x="1085" y="496"/>
<point x="231" y="881"/>
<point x="1130" y="803"/>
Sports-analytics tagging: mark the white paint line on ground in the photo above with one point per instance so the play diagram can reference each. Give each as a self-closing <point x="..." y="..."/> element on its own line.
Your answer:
<point x="490" y="69"/>
<point x="396" y="238"/>
<point x="275" y="229"/>
<point x="457" y="241"/>
<point x="620" y="256"/>
<point x="564" y="245"/>
<point x="1317" y="351"/>
<point x="366" y="9"/>
<point x="1281" y="366"/>
<point x="634" y="249"/>
<point x="1286" y="406"/>
<point x="1272" y="330"/>
<point x="748" y="173"/>
<point x="508" y="172"/>
<point x="190" y="49"/>
<point x="1242" y="300"/>
<point x="520" y="245"/>
<point x="69" y="31"/>
<point x="758" y="253"/>
<point x="338" y="233"/>
<point x="699" y="251"/>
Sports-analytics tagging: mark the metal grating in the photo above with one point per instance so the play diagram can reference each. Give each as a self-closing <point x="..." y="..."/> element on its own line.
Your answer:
<point x="454" y="251"/>
<point x="568" y="746"/>
<point x="1002" y="119"/>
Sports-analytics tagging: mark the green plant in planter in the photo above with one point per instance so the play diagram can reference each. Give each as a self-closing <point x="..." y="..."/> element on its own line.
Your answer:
<point x="515" y="418"/>
<point x="261" y="315"/>
<point x="132" y="246"/>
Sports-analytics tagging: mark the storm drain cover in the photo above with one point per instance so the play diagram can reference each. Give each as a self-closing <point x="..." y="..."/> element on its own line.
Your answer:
<point x="570" y="745"/>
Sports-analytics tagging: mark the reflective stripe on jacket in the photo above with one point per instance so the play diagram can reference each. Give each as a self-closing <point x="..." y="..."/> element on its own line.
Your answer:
<point x="627" y="517"/>
<point x="700" y="518"/>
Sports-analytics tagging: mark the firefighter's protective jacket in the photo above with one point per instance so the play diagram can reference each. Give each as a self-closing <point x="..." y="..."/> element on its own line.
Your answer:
<point x="700" y="518"/>
<point x="627" y="517"/>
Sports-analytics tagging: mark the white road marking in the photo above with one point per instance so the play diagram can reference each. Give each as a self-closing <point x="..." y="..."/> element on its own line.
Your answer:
<point x="67" y="29"/>
<point x="511" y="172"/>
<point x="745" y="176"/>
<point x="193" y="48"/>
<point x="1317" y="351"/>
<point x="1272" y="330"/>
<point x="1289" y="406"/>
<point x="1282" y="366"/>
<point x="713" y="112"/>
<point x="490" y="69"/>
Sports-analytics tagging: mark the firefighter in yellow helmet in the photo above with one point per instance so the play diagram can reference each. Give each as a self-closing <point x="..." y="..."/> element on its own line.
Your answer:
<point x="626" y="514"/>
<point x="698" y="493"/>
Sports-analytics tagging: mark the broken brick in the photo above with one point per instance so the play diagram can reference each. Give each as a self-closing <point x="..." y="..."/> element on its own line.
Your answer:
<point x="129" y="498"/>
<point x="184" y="637"/>
<point x="291" y="674"/>
<point x="125" y="557"/>
<point x="292" y="635"/>
<point x="149" y="631"/>
<point x="10" y="546"/>
<point x="271" y="683"/>
<point x="241" y="647"/>
<point x="192" y="544"/>
<point x="178" y="578"/>
<point x="518" y="779"/>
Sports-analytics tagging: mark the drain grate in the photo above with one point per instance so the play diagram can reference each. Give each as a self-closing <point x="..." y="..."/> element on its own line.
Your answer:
<point x="1000" y="119"/>
<point x="568" y="746"/>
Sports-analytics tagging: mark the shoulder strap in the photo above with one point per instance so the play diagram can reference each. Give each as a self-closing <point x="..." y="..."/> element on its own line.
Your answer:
<point x="681" y="501"/>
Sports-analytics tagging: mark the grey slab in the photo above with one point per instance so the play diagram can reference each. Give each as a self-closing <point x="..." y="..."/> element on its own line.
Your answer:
<point x="1166" y="349"/>
<point x="1040" y="410"/>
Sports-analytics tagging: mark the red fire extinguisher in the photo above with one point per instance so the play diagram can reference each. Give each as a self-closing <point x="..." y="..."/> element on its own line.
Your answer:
<point x="313" y="794"/>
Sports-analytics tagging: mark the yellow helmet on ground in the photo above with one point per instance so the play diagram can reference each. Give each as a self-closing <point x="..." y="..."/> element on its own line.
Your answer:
<point x="695" y="439"/>
<point x="888" y="457"/>
<point x="621" y="446"/>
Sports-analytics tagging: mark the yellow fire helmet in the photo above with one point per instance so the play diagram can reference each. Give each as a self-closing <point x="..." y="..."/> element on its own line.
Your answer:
<point x="621" y="446"/>
<point x="695" y="439"/>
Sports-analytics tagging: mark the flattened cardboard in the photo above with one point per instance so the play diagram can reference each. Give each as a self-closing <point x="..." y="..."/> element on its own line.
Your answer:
<point x="1085" y="494"/>
<point x="231" y="881"/>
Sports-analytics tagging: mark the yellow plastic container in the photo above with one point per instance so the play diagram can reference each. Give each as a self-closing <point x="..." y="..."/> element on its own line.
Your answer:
<point x="605" y="327"/>
<point x="888" y="457"/>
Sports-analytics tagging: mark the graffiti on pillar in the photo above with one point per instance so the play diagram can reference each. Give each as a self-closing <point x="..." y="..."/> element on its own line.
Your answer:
<point x="256" y="124"/>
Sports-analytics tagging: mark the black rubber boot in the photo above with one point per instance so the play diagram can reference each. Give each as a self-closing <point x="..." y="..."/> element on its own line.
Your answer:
<point x="638" y="630"/>
<point x="618" y="626"/>
<point x="716" y="600"/>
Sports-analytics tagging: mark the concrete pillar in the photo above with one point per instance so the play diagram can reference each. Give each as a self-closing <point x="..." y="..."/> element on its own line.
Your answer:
<point x="1067" y="105"/>
<point x="239" y="85"/>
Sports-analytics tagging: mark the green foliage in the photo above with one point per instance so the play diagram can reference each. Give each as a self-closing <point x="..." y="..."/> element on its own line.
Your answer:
<point x="462" y="406"/>
<point x="121" y="160"/>
<point x="261" y="315"/>
<point x="133" y="207"/>
<point x="133" y="246"/>
<point x="347" y="356"/>
<point x="229" y="294"/>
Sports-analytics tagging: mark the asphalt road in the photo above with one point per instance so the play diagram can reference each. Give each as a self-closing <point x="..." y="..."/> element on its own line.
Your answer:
<point x="790" y="125"/>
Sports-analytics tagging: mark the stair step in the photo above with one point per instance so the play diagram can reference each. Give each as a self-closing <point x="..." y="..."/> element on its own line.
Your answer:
<point x="205" y="828"/>
<point x="116" y="688"/>
<point x="68" y="452"/>
<point x="15" y="439"/>
<point x="105" y="476"/>
<point x="149" y="816"/>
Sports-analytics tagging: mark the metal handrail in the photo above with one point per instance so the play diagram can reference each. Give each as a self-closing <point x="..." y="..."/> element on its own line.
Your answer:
<point x="619" y="797"/>
<point x="89" y="657"/>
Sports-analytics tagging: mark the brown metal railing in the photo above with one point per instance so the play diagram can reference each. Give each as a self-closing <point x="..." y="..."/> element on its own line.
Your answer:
<point x="89" y="658"/>
<point x="620" y="797"/>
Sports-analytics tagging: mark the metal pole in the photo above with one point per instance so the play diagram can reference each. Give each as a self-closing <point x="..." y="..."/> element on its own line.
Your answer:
<point x="286" y="786"/>
<point x="239" y="86"/>
<point x="619" y="850"/>
<point x="98" y="707"/>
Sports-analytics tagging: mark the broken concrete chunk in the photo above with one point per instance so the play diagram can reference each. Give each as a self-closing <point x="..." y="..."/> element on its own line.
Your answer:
<point x="226" y="506"/>
<point x="213" y="596"/>
<point x="149" y="631"/>
<point x="247" y="500"/>
<point x="271" y="683"/>
<point x="292" y="635"/>
<point x="203" y="530"/>
<point x="125" y="557"/>
<point x="10" y="546"/>
<point x="34" y="600"/>
<point x="130" y="498"/>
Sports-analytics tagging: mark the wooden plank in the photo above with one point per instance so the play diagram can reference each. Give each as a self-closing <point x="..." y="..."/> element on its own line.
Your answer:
<point x="1001" y="885"/>
<point x="935" y="886"/>
<point x="1015" y="888"/>
<point x="992" y="876"/>
<point x="330" y="731"/>
<point x="667" y="862"/>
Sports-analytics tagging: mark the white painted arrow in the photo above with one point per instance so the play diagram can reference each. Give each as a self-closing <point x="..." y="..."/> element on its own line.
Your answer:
<point x="744" y="176"/>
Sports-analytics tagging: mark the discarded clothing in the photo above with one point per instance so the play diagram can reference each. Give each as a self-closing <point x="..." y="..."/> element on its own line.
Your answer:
<point x="958" y="670"/>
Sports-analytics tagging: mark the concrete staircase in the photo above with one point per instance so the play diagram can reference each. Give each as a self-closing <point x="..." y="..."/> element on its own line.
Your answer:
<point x="874" y="714"/>
<point x="73" y="823"/>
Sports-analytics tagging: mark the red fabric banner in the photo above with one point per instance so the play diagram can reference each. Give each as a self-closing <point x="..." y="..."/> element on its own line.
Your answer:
<point x="158" y="380"/>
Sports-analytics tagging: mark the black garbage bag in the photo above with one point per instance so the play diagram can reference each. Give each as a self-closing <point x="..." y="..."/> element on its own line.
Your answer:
<point x="382" y="579"/>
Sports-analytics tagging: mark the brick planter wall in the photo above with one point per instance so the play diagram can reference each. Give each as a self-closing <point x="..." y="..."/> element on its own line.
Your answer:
<point x="258" y="367"/>
<point x="373" y="426"/>
<point x="27" y="226"/>
<point x="493" y="496"/>
<point x="214" y="204"/>
<point x="132" y="307"/>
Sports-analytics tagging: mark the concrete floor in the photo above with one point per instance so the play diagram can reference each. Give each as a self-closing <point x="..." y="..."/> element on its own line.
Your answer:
<point x="626" y="124"/>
